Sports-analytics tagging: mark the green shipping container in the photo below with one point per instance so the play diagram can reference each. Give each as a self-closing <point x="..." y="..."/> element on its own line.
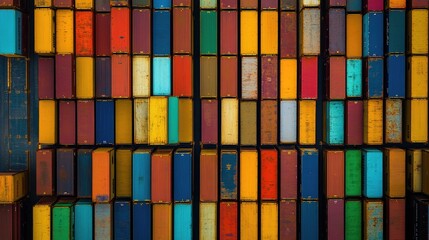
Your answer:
<point x="208" y="32"/>
<point x="353" y="220"/>
<point x="62" y="221"/>
<point x="173" y="120"/>
<point x="353" y="173"/>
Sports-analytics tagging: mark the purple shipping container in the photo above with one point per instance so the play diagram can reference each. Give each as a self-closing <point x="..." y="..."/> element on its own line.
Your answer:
<point x="335" y="219"/>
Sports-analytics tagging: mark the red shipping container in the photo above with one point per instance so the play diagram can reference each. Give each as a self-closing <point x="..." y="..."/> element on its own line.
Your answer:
<point x="334" y="174"/>
<point x="373" y="5"/>
<point x="249" y="4"/>
<point x="118" y="3"/>
<point x="85" y="123"/>
<point x="209" y="121"/>
<point x="10" y="217"/>
<point x="269" y="159"/>
<point x="120" y="30"/>
<point x="161" y="176"/>
<point x="228" y="76"/>
<point x="269" y="4"/>
<point x="63" y="3"/>
<point x="228" y="220"/>
<point x="67" y="122"/>
<point x="46" y="78"/>
<point x="354" y="123"/>
<point x="10" y="3"/>
<point x="288" y="35"/>
<point x="269" y="77"/>
<point x="335" y="221"/>
<point x="269" y="122"/>
<point x="182" y="76"/>
<point x="182" y="3"/>
<point x="229" y="32"/>
<point x="418" y="3"/>
<point x="396" y="218"/>
<point x="336" y="78"/>
<point x="84" y="33"/>
<point x="208" y="175"/>
<point x="287" y="220"/>
<point x="121" y="76"/>
<point x="45" y="172"/>
<point x="102" y="34"/>
<point x="309" y="74"/>
<point x="182" y="30"/>
<point x="64" y="76"/>
<point x="141" y="31"/>
<point x="288" y="174"/>
<point x="228" y="4"/>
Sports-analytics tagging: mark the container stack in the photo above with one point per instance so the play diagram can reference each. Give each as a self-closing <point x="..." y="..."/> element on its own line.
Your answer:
<point x="208" y="205"/>
<point x="228" y="186"/>
<point x="353" y="194"/>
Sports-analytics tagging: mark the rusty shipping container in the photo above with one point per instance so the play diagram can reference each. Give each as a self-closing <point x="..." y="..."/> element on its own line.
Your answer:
<point x="337" y="31"/>
<point x="395" y="172"/>
<point x="309" y="31"/>
<point x="209" y="121"/>
<point x="288" y="35"/>
<point x="269" y="77"/>
<point x="268" y="122"/>
<point x="373" y="122"/>
<point x="120" y="30"/>
<point x="46" y="77"/>
<point x="288" y="219"/>
<point x="335" y="219"/>
<point x="228" y="76"/>
<point x="84" y="33"/>
<point x="208" y="175"/>
<point x="336" y="78"/>
<point x="85" y="122"/>
<point x="373" y="219"/>
<point x="395" y="218"/>
<point x="67" y="122"/>
<point x="228" y="220"/>
<point x="288" y="174"/>
<point x="414" y="170"/>
<point x="393" y="121"/>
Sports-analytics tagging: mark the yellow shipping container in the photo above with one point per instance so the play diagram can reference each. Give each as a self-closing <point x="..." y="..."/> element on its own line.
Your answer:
<point x="417" y="120"/>
<point x="418" y="31"/>
<point x="42" y="219"/>
<point x="417" y="77"/>
<point x="43" y="3"/>
<point x="44" y="30"/>
<point x="396" y="3"/>
<point x="85" y="77"/>
<point x="13" y="186"/>
<point x="373" y="122"/>
<point x="84" y="4"/>
<point x="269" y="221"/>
<point x="186" y="121"/>
<point x="208" y="221"/>
<point x="123" y="121"/>
<point x="354" y="35"/>
<point x="309" y="3"/>
<point x="47" y="122"/>
<point x="158" y="119"/>
<point x="123" y="173"/>
<point x="307" y="122"/>
<point x="141" y="124"/>
<point x="414" y="170"/>
<point x="229" y="121"/>
<point x="269" y="32"/>
<point x="249" y="175"/>
<point x="288" y="78"/>
<point x="64" y="33"/>
<point x="249" y="32"/>
<point x="162" y="221"/>
<point x="141" y="76"/>
<point x="249" y="220"/>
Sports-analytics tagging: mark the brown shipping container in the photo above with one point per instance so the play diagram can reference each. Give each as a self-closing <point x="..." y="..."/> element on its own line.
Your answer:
<point x="269" y="77"/>
<point x="248" y="123"/>
<point x="337" y="3"/>
<point x="337" y="31"/>
<point x="354" y="123"/>
<point x="45" y="170"/>
<point x="336" y="78"/>
<point x="395" y="219"/>
<point x="269" y="4"/>
<point x="288" y="174"/>
<point x="393" y="121"/>
<point x="209" y="121"/>
<point x="419" y="3"/>
<point x="268" y="122"/>
<point x="10" y="217"/>
<point x="161" y="176"/>
<point x="228" y="220"/>
<point x="141" y="31"/>
<point x="394" y="169"/>
<point x="334" y="174"/>
<point x="120" y="30"/>
<point x="182" y="30"/>
<point x="162" y="221"/>
<point x="67" y="122"/>
<point x="182" y="3"/>
<point x="229" y="32"/>
<point x="84" y="33"/>
<point x="287" y="222"/>
<point x="208" y="76"/>
<point x="121" y="76"/>
<point x="208" y="175"/>
<point x="85" y="123"/>
<point x="46" y="78"/>
<point x="288" y="37"/>
<point x="63" y="3"/>
<point x="228" y="4"/>
<point x="102" y="34"/>
<point x="117" y="3"/>
<point x="249" y="4"/>
<point x="64" y="77"/>
<point x="228" y="76"/>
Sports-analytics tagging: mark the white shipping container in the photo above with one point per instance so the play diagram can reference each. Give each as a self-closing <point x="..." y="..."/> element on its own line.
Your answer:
<point x="288" y="121"/>
<point x="141" y="124"/>
<point x="249" y="78"/>
<point x="141" y="76"/>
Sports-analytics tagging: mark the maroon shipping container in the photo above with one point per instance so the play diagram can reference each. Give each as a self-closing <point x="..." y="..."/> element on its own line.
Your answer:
<point x="395" y="219"/>
<point x="121" y="76"/>
<point x="45" y="165"/>
<point x="102" y="5"/>
<point x="288" y="35"/>
<point x="336" y="3"/>
<point x="269" y="122"/>
<point x="209" y="121"/>
<point x="228" y="4"/>
<point x="229" y="32"/>
<point x="288" y="174"/>
<point x="249" y="4"/>
<point x="334" y="173"/>
<point x="46" y="77"/>
<point x="10" y="3"/>
<point x="182" y="30"/>
<point x="85" y="123"/>
<point x="64" y="76"/>
<point x="10" y="217"/>
<point x="337" y="31"/>
<point x="336" y="78"/>
<point x="269" y="4"/>
<point x="373" y="5"/>
<point x="102" y="34"/>
<point x="269" y="77"/>
<point x="67" y="122"/>
<point x="208" y="175"/>
<point x="182" y="3"/>
<point x="418" y="3"/>
<point x="354" y="123"/>
<point x="309" y="75"/>
<point x="335" y="219"/>
<point x="84" y="31"/>
<point x="288" y="220"/>
<point x="119" y="3"/>
<point x="161" y="176"/>
<point x="228" y="220"/>
<point x="228" y="76"/>
<point x="120" y="30"/>
<point x="269" y="162"/>
<point x="141" y="31"/>
<point x="63" y="3"/>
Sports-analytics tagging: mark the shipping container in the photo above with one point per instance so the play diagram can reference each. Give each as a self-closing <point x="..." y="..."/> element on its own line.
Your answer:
<point x="228" y="175"/>
<point x="228" y="220"/>
<point x="269" y="77"/>
<point x="353" y="220"/>
<point x="85" y="123"/>
<point x="123" y="121"/>
<point x="122" y="220"/>
<point x="141" y="31"/>
<point x="395" y="218"/>
<point x="249" y="220"/>
<point x="354" y="35"/>
<point x="142" y="220"/>
<point x="11" y="43"/>
<point x="248" y="175"/>
<point x="208" y="175"/>
<point x="141" y="121"/>
<point x="103" y="176"/>
<point x="248" y="123"/>
<point x="85" y="84"/>
<point x="63" y="3"/>
<point x="158" y="107"/>
<point x="162" y="221"/>
<point x="208" y="32"/>
<point x="13" y="185"/>
<point x="121" y="76"/>
<point x="63" y="219"/>
<point x="268" y="170"/>
<point x="182" y="176"/>
<point x="104" y="122"/>
<point x="47" y="122"/>
<point x="396" y="4"/>
<point x="118" y="3"/>
<point x="288" y="4"/>
<point x="209" y="121"/>
<point x="228" y="32"/>
<point x="373" y="5"/>
<point x="396" y="74"/>
<point x="83" y="215"/>
<point x="354" y="5"/>
<point x="417" y="78"/>
<point x="307" y="122"/>
<point x="208" y="77"/>
<point x="229" y="121"/>
<point x="354" y="123"/>
<point x="66" y="171"/>
<point x="337" y="31"/>
<point x="102" y="34"/>
<point x="335" y="219"/>
<point x="373" y="29"/>
<point x="120" y="30"/>
<point x="269" y="30"/>
<point x="248" y="31"/>
<point x="373" y="219"/>
<point x="288" y="33"/>
<point x="425" y="172"/>
<point x="418" y="31"/>
<point x="84" y="4"/>
<point x="228" y="76"/>
<point x="208" y="221"/>
<point x="141" y="167"/>
<point x="336" y="78"/>
<point x="309" y="31"/>
<point x="372" y="173"/>
<point x="103" y="221"/>
<point x="249" y="78"/>
<point x="161" y="33"/>
<point x="418" y="4"/>
<point x="353" y="173"/>
<point x="161" y="78"/>
<point x="64" y="76"/>
<point x="42" y="219"/>
<point x="161" y="164"/>
<point x="269" y="4"/>
<point x="414" y="170"/>
<point x="161" y="4"/>
<point x="173" y="120"/>
<point x="186" y="134"/>
<point x="123" y="172"/>
<point x="46" y="78"/>
<point x="288" y="174"/>
<point x="228" y="4"/>
<point x="249" y="4"/>
<point x="269" y="221"/>
<point x="373" y="122"/>
<point x="288" y="219"/>
<point x="395" y="31"/>
<point x="308" y="3"/>
<point x="309" y="173"/>
<point x="84" y="33"/>
<point x="183" y="76"/>
<point x="288" y="124"/>
<point x="44" y="30"/>
<point x="374" y="77"/>
<point x="64" y="31"/>
<point x="268" y="122"/>
<point x="103" y="5"/>
<point x="182" y="221"/>
<point x="393" y="124"/>
<point x="45" y="172"/>
<point x="309" y="77"/>
<point x="354" y="77"/>
<point x="103" y="77"/>
<point x="288" y="78"/>
<point x="334" y="174"/>
<point x="178" y="3"/>
<point x="309" y="215"/>
<point x="333" y="130"/>
<point x="13" y="4"/>
<point x="84" y="173"/>
<point x="417" y="121"/>
<point x="141" y="76"/>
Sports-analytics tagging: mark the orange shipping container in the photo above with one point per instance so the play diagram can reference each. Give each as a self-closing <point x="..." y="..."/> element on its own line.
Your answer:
<point x="162" y="221"/>
<point x="394" y="167"/>
<point x="103" y="172"/>
<point x="120" y="30"/>
<point x="84" y="33"/>
<point x="121" y="76"/>
<point x="334" y="174"/>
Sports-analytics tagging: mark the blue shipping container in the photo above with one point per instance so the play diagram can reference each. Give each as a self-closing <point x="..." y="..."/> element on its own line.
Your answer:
<point x="103" y="77"/>
<point x="161" y="33"/>
<point x="142" y="221"/>
<point x="161" y="79"/>
<point x="84" y="173"/>
<point x="103" y="221"/>
<point x="396" y="76"/>
<point x="182" y="175"/>
<point x="354" y="78"/>
<point x="395" y="42"/>
<point x="141" y="175"/>
<point x="173" y="120"/>
<point x="309" y="174"/>
<point x="83" y="220"/>
<point x="373" y="220"/>
<point x="372" y="173"/>
<point x="309" y="220"/>
<point x="65" y="171"/>
<point x="334" y="129"/>
<point x="11" y="32"/>
<point x="161" y="4"/>
<point x="228" y="175"/>
<point x="122" y="220"/>
<point x="354" y="5"/>
<point x="182" y="221"/>
<point x="374" y="78"/>
<point x="373" y="25"/>
<point x="104" y="122"/>
<point x="18" y="74"/>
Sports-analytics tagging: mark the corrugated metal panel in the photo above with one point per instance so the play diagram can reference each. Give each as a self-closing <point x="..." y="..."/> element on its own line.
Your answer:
<point x="44" y="31"/>
<point x="353" y="173"/>
<point x="209" y="121"/>
<point x="288" y="174"/>
<point x="85" y="85"/>
<point x="288" y="220"/>
<point x="372" y="173"/>
<point x="104" y="122"/>
<point x="228" y="175"/>
<point x="161" y="78"/>
<point x="142" y="220"/>
<point x="229" y="32"/>
<point x="334" y="174"/>
<point x="161" y="177"/>
<point x="269" y="32"/>
<point x="228" y="4"/>
<point x="47" y="122"/>
<point x="182" y="76"/>
<point x="84" y="173"/>
<point x="425" y="172"/>
<point x="309" y="31"/>
<point x="228" y="76"/>
<point x="186" y="121"/>
<point x="161" y="4"/>
<point x="120" y="30"/>
<point x="288" y="121"/>
<point x="123" y="121"/>
<point x="141" y="31"/>
<point x="249" y="78"/>
<point x="103" y="171"/>
<point x="42" y="219"/>
<point x="373" y="219"/>
<point x="417" y="121"/>
<point x="208" y="175"/>
<point x="158" y="120"/>
<point x="183" y="221"/>
<point x="84" y="4"/>
<point x="334" y="122"/>
<point x="102" y="32"/>
<point x="414" y="170"/>
<point x="417" y="77"/>
<point x="268" y="170"/>
<point x="162" y="221"/>
<point x="310" y="216"/>
<point x="229" y="121"/>
<point x="288" y="4"/>
<point x="208" y="77"/>
<point x="43" y="3"/>
<point x="354" y="123"/>
<point x="354" y="78"/>
<point x="85" y="122"/>
<point x="141" y="175"/>
<point x="374" y="77"/>
<point x="142" y="3"/>
<point x="141" y="120"/>
<point x="65" y="163"/>
<point x="122" y="220"/>
<point x="288" y="34"/>
<point x="121" y="76"/>
<point x="45" y="172"/>
<point x="353" y="220"/>
<point x="208" y="32"/>
<point x="268" y="122"/>
<point x="395" y="39"/>
<point x="307" y="122"/>
<point x="62" y="220"/>
<point x="208" y="221"/>
<point x="337" y="31"/>
<point x="249" y="220"/>
<point x="335" y="219"/>
<point x="46" y="78"/>
<point x="249" y="32"/>
<point x="373" y="29"/>
<point x="248" y="122"/>
<point x="336" y="77"/>
<point x="396" y="218"/>
<point x="418" y="31"/>
<point x="288" y="78"/>
<point x="269" y="221"/>
<point x="64" y="76"/>
<point x="208" y="3"/>
<point x="269" y="77"/>
<point x="309" y="3"/>
<point x="309" y="173"/>
<point x="83" y="215"/>
<point x="373" y="5"/>
<point x="393" y="128"/>
<point x="182" y="181"/>
<point x="354" y="35"/>
<point x="373" y="122"/>
<point x="248" y="175"/>
<point x="103" y="221"/>
<point x="103" y="77"/>
<point x="354" y="5"/>
<point x="123" y="170"/>
<point x="141" y="76"/>
<point x="84" y="33"/>
<point x="228" y="220"/>
<point x="11" y="43"/>
<point x="161" y="42"/>
<point x="13" y="186"/>
<point x="396" y="74"/>
<point x="309" y="77"/>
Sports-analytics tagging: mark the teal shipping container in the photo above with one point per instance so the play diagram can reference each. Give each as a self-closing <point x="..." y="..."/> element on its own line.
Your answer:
<point x="353" y="220"/>
<point x="208" y="32"/>
<point x="83" y="220"/>
<point x="182" y="221"/>
<point x="103" y="221"/>
<point x="141" y="175"/>
<point x="354" y="5"/>
<point x="373" y="219"/>
<point x="173" y="120"/>
<point x="354" y="78"/>
<point x="372" y="173"/>
<point x="84" y="173"/>
<point x="63" y="220"/>
<point x="353" y="173"/>
<point x="395" y="36"/>
<point x="334" y="122"/>
<point x="161" y="78"/>
<point x="11" y="32"/>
